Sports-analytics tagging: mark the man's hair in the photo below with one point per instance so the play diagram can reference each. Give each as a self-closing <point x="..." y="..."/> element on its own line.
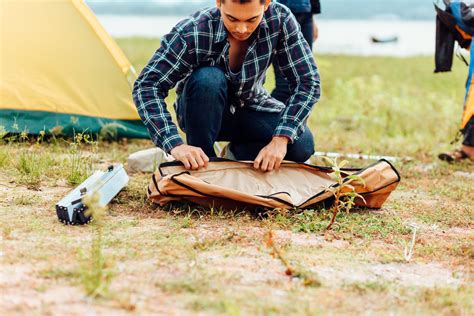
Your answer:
<point x="245" y="1"/>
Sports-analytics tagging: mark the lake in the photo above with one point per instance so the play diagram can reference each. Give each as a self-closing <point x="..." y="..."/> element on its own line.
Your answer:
<point x="351" y="37"/>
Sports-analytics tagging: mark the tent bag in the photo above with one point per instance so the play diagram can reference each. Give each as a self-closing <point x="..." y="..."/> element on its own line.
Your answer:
<point x="236" y="184"/>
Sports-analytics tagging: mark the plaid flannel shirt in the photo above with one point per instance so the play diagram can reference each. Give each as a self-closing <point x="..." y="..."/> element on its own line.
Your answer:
<point x="201" y="40"/>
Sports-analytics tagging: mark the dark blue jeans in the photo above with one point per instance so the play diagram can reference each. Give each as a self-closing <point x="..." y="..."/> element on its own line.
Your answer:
<point x="203" y="112"/>
<point x="282" y="91"/>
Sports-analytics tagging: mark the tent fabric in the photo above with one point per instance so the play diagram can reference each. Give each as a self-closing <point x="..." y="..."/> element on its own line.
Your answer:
<point x="59" y="66"/>
<point x="230" y="184"/>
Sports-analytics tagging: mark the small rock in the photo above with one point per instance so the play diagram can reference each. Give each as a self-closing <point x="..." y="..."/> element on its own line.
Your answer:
<point x="424" y="168"/>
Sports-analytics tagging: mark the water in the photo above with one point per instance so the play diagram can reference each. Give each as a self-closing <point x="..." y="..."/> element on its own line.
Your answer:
<point x="335" y="36"/>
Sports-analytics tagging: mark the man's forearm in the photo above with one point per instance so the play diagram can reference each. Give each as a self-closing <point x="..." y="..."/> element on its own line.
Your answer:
<point x="152" y="110"/>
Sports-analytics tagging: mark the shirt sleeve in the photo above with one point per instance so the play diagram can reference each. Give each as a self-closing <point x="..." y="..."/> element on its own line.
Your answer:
<point x="296" y="63"/>
<point x="170" y="63"/>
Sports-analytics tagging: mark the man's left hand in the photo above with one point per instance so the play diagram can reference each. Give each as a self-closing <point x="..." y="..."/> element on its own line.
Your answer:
<point x="271" y="156"/>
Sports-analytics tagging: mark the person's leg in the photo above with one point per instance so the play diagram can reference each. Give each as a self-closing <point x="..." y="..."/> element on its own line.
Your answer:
<point x="202" y="106"/>
<point x="468" y="142"/>
<point x="300" y="151"/>
<point x="255" y="131"/>
<point x="467" y="148"/>
<point x="303" y="148"/>
<point x="282" y="90"/>
<point x="306" y="22"/>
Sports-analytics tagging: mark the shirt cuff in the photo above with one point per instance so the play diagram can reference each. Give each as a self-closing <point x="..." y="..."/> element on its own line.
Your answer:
<point x="171" y="143"/>
<point x="287" y="130"/>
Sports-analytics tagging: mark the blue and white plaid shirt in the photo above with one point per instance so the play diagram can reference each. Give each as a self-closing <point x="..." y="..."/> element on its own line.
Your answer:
<point x="201" y="40"/>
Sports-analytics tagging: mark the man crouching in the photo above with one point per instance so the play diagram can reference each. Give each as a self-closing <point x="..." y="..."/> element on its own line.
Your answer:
<point x="220" y="57"/>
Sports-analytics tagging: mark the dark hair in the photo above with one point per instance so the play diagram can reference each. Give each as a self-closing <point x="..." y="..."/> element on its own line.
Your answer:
<point x="245" y="1"/>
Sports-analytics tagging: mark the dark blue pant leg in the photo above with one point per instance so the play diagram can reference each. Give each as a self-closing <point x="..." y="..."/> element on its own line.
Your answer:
<point x="202" y="106"/>
<point x="282" y="91"/>
<point x="300" y="151"/>
<point x="254" y="130"/>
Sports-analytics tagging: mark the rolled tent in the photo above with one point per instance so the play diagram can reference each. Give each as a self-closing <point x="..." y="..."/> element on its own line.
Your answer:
<point x="59" y="69"/>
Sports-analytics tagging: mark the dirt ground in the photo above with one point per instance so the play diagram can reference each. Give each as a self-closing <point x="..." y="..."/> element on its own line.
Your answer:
<point x="186" y="261"/>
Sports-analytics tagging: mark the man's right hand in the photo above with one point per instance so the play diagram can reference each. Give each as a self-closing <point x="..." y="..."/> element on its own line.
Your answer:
<point x="192" y="157"/>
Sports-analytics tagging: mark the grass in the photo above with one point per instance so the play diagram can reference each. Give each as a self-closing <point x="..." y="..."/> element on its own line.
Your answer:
<point x="29" y="166"/>
<point x="81" y="161"/>
<point x="4" y="157"/>
<point x="184" y="259"/>
<point x="362" y="223"/>
<point x="26" y="200"/>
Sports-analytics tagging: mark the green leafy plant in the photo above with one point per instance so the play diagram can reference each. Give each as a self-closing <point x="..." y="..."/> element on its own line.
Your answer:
<point x="344" y="192"/>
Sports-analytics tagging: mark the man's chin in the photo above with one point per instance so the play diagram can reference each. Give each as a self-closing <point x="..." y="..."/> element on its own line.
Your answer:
<point x="241" y="38"/>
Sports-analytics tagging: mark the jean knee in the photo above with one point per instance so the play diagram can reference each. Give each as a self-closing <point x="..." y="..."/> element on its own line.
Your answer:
<point x="303" y="154"/>
<point x="207" y="80"/>
<point x="302" y="149"/>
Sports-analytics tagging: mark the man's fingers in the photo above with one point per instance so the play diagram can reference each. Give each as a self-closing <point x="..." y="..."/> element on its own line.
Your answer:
<point x="185" y="161"/>
<point x="271" y="165"/>
<point x="192" y="161"/>
<point x="278" y="164"/>
<point x="204" y="157"/>
<point x="264" y="165"/>
<point x="200" y="161"/>
<point x="192" y="157"/>
<point x="257" y="161"/>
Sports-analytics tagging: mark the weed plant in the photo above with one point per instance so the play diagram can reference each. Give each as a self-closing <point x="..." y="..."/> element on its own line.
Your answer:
<point x="80" y="160"/>
<point x="96" y="271"/>
<point x="344" y="193"/>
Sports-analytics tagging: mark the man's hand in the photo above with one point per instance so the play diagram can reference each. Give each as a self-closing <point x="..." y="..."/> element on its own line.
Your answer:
<point x="271" y="156"/>
<point x="192" y="157"/>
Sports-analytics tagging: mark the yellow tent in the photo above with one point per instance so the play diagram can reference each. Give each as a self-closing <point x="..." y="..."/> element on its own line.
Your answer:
<point x="59" y="69"/>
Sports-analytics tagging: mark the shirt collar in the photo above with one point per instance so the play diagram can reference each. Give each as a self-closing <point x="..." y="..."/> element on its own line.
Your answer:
<point x="263" y="23"/>
<point x="221" y="33"/>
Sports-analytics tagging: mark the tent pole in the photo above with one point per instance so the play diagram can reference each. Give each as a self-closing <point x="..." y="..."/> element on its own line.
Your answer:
<point x="360" y="156"/>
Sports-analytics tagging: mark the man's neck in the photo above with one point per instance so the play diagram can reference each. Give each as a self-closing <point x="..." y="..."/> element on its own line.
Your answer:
<point x="238" y="50"/>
